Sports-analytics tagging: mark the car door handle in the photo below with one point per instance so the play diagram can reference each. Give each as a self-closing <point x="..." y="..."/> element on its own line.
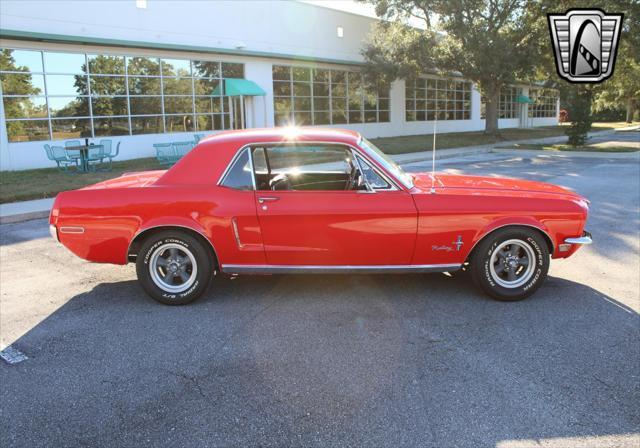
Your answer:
<point x="264" y="199"/>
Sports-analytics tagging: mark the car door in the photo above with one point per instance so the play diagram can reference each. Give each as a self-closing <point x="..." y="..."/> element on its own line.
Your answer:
<point x="310" y="215"/>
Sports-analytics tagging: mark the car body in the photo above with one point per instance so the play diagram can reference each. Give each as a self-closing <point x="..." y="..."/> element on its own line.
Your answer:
<point x="304" y="210"/>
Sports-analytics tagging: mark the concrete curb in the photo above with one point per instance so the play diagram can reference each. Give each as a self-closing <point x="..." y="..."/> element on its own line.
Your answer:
<point x="21" y="217"/>
<point x="25" y="211"/>
<point x="581" y="154"/>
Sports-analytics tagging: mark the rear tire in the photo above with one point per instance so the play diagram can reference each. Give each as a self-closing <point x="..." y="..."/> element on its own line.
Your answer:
<point x="510" y="264"/>
<point x="173" y="267"/>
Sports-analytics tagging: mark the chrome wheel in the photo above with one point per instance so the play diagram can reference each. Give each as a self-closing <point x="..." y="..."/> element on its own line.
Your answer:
<point x="512" y="263"/>
<point x="173" y="267"/>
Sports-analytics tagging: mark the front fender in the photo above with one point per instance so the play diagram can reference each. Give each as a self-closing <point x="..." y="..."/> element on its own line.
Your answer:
<point x="526" y="221"/>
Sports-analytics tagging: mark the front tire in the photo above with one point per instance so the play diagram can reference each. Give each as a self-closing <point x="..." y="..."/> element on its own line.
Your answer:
<point x="510" y="264"/>
<point x="173" y="267"/>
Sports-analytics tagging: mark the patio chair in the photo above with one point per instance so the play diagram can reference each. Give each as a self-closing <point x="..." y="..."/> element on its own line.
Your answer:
<point x="95" y="156"/>
<point x="73" y="153"/>
<point x="108" y="151"/>
<point x="165" y="153"/>
<point x="182" y="148"/>
<point x="61" y="157"/>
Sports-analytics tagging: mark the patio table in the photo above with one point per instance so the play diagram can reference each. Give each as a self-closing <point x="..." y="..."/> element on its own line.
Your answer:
<point x="84" y="153"/>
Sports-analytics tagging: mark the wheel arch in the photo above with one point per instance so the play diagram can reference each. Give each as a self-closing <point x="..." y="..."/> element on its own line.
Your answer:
<point x="491" y="230"/>
<point x="143" y="234"/>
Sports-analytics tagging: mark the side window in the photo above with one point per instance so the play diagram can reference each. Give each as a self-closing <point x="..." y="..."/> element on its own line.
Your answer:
<point x="376" y="181"/>
<point x="239" y="175"/>
<point x="304" y="167"/>
<point x="309" y="159"/>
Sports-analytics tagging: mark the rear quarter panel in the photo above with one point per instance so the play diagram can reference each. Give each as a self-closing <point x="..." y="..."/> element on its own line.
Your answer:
<point x="111" y="218"/>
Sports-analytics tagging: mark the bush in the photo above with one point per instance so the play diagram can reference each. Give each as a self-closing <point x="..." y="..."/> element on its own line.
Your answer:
<point x="579" y="108"/>
<point x="610" y="114"/>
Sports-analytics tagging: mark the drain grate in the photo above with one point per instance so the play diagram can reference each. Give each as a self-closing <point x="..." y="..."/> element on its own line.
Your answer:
<point x="13" y="355"/>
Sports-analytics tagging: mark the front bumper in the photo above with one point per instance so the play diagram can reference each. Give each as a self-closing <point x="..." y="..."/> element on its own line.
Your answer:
<point x="584" y="239"/>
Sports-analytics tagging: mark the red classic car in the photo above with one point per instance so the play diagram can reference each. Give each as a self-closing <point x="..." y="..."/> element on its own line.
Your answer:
<point x="270" y="201"/>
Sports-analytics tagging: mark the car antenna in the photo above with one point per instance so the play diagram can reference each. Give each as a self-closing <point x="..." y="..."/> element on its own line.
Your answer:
<point x="433" y="156"/>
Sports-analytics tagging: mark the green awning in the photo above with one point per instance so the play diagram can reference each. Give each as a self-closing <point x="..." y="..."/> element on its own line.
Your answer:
<point x="524" y="99"/>
<point x="238" y="87"/>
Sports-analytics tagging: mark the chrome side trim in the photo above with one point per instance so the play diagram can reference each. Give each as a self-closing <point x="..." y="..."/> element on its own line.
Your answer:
<point x="71" y="229"/>
<point x="306" y="269"/>
<point x="236" y="234"/>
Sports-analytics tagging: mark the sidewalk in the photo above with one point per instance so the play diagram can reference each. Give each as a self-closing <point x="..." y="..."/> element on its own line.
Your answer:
<point x="24" y="211"/>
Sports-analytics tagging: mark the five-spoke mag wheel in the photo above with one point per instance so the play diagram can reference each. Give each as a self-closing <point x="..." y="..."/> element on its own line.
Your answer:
<point x="174" y="267"/>
<point x="510" y="263"/>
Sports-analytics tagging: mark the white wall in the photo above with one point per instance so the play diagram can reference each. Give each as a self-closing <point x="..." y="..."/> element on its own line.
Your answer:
<point x="276" y="28"/>
<point x="281" y="27"/>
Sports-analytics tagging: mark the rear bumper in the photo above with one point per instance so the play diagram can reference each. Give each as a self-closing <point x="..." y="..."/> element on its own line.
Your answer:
<point x="584" y="239"/>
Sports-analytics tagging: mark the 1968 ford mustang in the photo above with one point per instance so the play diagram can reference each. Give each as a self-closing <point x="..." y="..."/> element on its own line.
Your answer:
<point x="316" y="201"/>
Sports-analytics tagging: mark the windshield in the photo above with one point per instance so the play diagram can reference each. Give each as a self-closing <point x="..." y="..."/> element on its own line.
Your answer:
<point x="387" y="162"/>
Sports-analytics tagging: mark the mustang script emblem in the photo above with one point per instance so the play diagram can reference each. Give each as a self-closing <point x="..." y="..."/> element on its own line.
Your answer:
<point x="458" y="243"/>
<point x="585" y="43"/>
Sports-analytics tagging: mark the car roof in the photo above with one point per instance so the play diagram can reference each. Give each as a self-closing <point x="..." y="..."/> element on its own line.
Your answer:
<point x="208" y="160"/>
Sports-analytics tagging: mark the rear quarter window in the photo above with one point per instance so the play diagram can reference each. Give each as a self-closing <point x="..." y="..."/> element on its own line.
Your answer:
<point x="239" y="175"/>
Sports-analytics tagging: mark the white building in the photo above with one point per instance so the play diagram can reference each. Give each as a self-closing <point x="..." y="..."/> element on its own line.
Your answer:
<point x="144" y="72"/>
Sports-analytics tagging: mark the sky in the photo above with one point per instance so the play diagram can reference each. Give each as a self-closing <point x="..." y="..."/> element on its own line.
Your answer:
<point x="353" y="6"/>
<point x="346" y="5"/>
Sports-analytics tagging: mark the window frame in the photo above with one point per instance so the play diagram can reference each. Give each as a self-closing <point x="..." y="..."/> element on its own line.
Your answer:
<point x="291" y="80"/>
<point x="219" y="120"/>
<point x="231" y="165"/>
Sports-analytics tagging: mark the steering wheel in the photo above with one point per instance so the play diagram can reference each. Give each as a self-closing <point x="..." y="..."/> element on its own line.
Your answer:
<point x="280" y="182"/>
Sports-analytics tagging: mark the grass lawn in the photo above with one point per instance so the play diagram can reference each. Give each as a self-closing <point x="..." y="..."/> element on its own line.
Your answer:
<point x="417" y="143"/>
<point x="564" y="147"/>
<point x="45" y="183"/>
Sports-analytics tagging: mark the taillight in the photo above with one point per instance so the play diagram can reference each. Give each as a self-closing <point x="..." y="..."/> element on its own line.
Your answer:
<point x="55" y="212"/>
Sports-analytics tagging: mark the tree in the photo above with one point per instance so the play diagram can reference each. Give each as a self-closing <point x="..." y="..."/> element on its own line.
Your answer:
<point x="19" y="84"/>
<point x="489" y="42"/>
<point x="578" y="100"/>
<point x="624" y="86"/>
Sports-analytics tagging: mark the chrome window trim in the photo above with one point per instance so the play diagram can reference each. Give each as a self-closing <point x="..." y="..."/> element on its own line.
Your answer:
<point x="232" y="163"/>
<point x="338" y="269"/>
<point x="392" y="186"/>
<point x="397" y="181"/>
<point x="358" y="151"/>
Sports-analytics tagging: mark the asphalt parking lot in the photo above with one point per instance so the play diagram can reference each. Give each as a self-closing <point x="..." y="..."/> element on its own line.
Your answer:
<point x="412" y="360"/>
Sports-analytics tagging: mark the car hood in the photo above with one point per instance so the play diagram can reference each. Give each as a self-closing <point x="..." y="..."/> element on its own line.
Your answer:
<point x="129" y="180"/>
<point x="423" y="181"/>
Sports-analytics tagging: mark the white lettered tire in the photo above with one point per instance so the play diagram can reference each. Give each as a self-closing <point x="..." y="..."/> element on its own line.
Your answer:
<point x="173" y="267"/>
<point x="510" y="264"/>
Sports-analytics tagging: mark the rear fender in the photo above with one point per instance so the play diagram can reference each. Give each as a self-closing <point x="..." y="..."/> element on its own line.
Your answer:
<point x="175" y="221"/>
